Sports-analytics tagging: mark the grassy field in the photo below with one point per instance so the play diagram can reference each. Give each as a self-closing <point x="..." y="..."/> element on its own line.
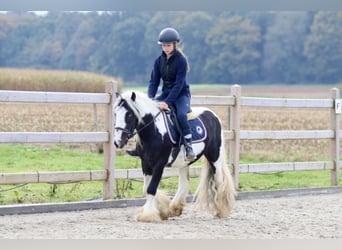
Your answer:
<point x="60" y="117"/>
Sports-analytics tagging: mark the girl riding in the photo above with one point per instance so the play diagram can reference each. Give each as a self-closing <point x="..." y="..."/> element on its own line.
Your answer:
<point x="172" y="66"/>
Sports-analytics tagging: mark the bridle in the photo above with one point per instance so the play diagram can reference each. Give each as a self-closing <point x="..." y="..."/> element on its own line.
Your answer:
<point x="132" y="134"/>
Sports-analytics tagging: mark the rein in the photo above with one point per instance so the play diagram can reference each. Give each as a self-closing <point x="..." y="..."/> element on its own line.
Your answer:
<point x="130" y="135"/>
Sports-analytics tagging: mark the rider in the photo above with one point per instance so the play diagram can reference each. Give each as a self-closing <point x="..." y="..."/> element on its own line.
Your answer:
<point x="171" y="66"/>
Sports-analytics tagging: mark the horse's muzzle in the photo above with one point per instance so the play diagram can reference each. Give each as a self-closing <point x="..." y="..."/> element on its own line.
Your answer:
<point x="119" y="144"/>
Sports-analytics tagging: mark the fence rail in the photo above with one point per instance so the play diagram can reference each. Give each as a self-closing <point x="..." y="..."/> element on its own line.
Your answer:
<point x="233" y="136"/>
<point x="53" y="137"/>
<point x="54" y="97"/>
<point x="286" y="134"/>
<point x="105" y="137"/>
<point x="287" y="102"/>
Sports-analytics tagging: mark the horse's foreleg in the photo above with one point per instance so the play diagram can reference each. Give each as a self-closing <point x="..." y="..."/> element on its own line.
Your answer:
<point x="147" y="181"/>
<point x="178" y="201"/>
<point x="156" y="208"/>
<point x="157" y="205"/>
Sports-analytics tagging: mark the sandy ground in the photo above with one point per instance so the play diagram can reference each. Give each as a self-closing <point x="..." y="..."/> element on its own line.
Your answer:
<point x="301" y="217"/>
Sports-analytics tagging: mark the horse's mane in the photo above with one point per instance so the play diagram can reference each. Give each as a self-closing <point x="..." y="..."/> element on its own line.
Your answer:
<point x="142" y="105"/>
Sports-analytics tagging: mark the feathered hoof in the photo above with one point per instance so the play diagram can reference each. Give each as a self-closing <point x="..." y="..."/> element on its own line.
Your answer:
<point x="148" y="217"/>
<point x="221" y="214"/>
<point x="163" y="205"/>
<point x="156" y="208"/>
<point x="176" y="209"/>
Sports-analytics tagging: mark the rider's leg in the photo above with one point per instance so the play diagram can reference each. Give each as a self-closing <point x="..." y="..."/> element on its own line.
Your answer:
<point x="183" y="107"/>
<point x="189" y="153"/>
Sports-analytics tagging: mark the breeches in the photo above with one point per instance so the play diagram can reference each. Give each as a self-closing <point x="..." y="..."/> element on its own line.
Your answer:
<point x="182" y="108"/>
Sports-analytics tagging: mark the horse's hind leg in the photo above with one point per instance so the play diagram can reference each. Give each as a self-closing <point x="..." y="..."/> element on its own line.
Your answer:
<point x="178" y="201"/>
<point x="225" y="191"/>
<point x="216" y="190"/>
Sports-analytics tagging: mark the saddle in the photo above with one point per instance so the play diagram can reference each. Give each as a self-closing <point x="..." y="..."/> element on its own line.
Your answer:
<point x="198" y="131"/>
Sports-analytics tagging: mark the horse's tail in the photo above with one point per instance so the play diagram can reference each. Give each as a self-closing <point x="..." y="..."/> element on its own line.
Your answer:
<point x="216" y="191"/>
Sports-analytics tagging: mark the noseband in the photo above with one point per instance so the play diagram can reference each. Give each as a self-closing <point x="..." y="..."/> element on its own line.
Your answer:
<point x="129" y="133"/>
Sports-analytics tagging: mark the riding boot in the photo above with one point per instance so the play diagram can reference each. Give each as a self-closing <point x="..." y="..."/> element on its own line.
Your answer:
<point x="189" y="153"/>
<point x="132" y="152"/>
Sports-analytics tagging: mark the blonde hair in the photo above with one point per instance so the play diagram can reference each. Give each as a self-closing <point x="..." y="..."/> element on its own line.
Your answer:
<point x="186" y="58"/>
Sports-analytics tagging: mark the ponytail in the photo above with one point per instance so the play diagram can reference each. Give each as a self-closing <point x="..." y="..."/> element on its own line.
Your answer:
<point x="186" y="58"/>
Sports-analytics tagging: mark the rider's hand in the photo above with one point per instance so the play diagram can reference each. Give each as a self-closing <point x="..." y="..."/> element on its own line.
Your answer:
<point x="163" y="106"/>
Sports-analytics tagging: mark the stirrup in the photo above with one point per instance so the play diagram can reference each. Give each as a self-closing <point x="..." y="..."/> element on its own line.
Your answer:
<point x="189" y="153"/>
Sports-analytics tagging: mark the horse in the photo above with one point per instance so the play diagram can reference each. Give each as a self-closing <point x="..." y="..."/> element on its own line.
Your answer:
<point x="137" y="115"/>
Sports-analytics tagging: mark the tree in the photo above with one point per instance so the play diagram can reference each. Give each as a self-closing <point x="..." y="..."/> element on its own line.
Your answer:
<point x="323" y="47"/>
<point x="193" y="27"/>
<point x="23" y="43"/>
<point x="124" y="42"/>
<point x="232" y="46"/>
<point x="222" y="46"/>
<point x="283" y="47"/>
<point x="78" y="41"/>
<point x="6" y="25"/>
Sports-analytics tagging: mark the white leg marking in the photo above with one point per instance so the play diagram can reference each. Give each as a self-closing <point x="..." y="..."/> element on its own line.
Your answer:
<point x="178" y="201"/>
<point x="147" y="181"/>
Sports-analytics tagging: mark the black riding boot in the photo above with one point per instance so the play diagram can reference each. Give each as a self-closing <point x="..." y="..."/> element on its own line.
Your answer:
<point x="189" y="153"/>
<point x="132" y="152"/>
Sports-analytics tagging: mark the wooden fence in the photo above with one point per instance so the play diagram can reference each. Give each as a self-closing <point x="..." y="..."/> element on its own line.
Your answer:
<point x="333" y="104"/>
<point x="233" y="135"/>
<point x="106" y="137"/>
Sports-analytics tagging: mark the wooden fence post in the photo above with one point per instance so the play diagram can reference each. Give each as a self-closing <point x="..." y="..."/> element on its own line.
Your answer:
<point x="108" y="147"/>
<point x="234" y="125"/>
<point x="335" y="142"/>
<point x="96" y="127"/>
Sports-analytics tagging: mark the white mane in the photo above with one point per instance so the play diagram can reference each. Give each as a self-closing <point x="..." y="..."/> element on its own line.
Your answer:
<point x="142" y="105"/>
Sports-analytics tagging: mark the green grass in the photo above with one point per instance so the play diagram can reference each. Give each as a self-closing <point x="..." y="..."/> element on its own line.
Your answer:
<point x="16" y="158"/>
<point x="284" y="180"/>
<point x="24" y="158"/>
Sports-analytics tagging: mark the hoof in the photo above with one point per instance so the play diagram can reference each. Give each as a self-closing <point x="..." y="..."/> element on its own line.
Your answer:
<point x="156" y="208"/>
<point x="163" y="205"/>
<point x="147" y="217"/>
<point x="176" y="209"/>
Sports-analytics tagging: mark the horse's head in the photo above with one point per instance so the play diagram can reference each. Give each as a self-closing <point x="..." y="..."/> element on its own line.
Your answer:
<point x="126" y="119"/>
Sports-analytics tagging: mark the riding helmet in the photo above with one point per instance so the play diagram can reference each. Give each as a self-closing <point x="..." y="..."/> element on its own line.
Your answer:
<point x="168" y="35"/>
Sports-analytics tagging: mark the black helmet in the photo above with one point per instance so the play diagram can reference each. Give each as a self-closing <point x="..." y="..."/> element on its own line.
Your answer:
<point x="168" y="35"/>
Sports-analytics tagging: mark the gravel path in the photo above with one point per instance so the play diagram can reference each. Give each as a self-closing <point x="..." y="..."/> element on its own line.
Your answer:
<point x="305" y="217"/>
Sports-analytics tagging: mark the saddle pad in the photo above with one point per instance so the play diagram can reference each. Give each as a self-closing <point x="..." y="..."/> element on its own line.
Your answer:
<point x="191" y="116"/>
<point x="198" y="131"/>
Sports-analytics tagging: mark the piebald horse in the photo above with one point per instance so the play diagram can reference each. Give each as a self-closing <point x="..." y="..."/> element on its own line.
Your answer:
<point x="136" y="114"/>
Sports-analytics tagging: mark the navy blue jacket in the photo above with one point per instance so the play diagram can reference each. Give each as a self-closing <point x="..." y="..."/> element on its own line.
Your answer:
<point x="173" y="73"/>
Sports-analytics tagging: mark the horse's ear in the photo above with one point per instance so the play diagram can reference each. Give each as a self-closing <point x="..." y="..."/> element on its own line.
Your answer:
<point x="133" y="96"/>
